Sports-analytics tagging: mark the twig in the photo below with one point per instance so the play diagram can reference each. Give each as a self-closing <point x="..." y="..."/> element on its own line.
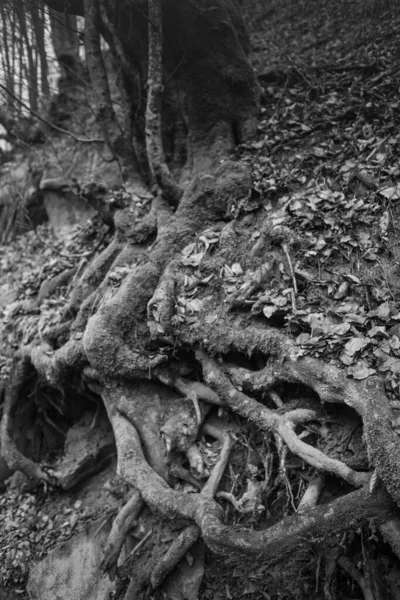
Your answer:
<point x="317" y="574"/>
<point x="293" y="276"/>
<point x="140" y="544"/>
<point x="230" y="498"/>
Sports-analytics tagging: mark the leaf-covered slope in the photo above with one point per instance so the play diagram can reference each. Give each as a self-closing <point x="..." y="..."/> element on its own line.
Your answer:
<point x="311" y="251"/>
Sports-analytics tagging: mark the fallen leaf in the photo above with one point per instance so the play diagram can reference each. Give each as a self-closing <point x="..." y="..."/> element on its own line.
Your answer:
<point x="360" y="370"/>
<point x="194" y="260"/>
<point x="342" y="291"/>
<point x="377" y="330"/>
<point x="279" y="301"/>
<point x="237" y="269"/>
<point x="390" y="364"/>
<point x="355" y="345"/>
<point x="383" y="311"/>
<point x="395" y="330"/>
<point x="391" y="193"/>
<point x="394" y="343"/>
<point x="303" y="338"/>
<point x="269" y="310"/>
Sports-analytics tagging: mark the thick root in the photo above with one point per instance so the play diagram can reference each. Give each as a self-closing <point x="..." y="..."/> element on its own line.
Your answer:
<point x="274" y="543"/>
<point x="124" y="521"/>
<point x="283" y="425"/>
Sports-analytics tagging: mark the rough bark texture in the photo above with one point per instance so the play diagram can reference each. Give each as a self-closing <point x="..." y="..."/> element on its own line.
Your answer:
<point x="205" y="49"/>
<point x="154" y="143"/>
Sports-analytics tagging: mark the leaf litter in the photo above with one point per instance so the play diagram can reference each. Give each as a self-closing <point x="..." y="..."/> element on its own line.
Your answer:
<point x="325" y="168"/>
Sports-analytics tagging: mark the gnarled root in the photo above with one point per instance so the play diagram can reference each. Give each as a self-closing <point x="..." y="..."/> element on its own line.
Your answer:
<point x="174" y="555"/>
<point x="272" y="544"/>
<point x="366" y="397"/>
<point x="56" y="365"/>
<point x="283" y="425"/>
<point x="124" y="521"/>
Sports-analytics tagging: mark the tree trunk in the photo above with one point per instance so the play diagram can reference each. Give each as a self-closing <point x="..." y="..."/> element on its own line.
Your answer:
<point x="154" y="142"/>
<point x="30" y="67"/>
<point x="116" y="139"/>
<point x="64" y="33"/>
<point x="38" y="22"/>
<point x="210" y="95"/>
<point x="7" y="63"/>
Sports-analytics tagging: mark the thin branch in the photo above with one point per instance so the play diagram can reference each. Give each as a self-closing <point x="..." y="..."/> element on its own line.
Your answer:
<point x="59" y="129"/>
<point x="142" y="542"/>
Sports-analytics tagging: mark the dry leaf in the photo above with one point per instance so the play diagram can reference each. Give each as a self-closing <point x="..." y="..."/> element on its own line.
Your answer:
<point x="355" y="345"/>
<point x="391" y="193"/>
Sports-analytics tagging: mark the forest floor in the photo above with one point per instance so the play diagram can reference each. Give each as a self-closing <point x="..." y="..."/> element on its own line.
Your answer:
<point x="326" y="163"/>
<point x="326" y="160"/>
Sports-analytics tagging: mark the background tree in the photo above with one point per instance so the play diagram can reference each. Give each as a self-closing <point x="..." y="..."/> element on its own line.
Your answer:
<point x="25" y="82"/>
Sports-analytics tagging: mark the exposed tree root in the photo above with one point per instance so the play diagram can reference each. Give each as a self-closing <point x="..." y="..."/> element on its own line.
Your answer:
<point x="189" y="535"/>
<point x="55" y="366"/>
<point x="174" y="555"/>
<point x="358" y="577"/>
<point x="92" y="276"/>
<point x="118" y="325"/>
<point x="159" y="311"/>
<point x="136" y="423"/>
<point x="311" y="521"/>
<point x="186" y="579"/>
<point x="311" y="495"/>
<point x="128" y="346"/>
<point x="283" y="425"/>
<point x="274" y="542"/>
<point x="187" y="387"/>
<point x="124" y="521"/>
<point x="367" y="398"/>
<point x="222" y="432"/>
<point x="390" y="530"/>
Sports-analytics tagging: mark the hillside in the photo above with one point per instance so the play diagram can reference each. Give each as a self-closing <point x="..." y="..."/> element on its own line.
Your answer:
<point x="271" y="342"/>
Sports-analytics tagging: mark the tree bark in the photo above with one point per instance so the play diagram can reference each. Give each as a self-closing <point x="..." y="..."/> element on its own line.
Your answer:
<point x="154" y="143"/>
<point x="114" y="136"/>
<point x="206" y="88"/>
<point x="64" y="33"/>
<point x="7" y="62"/>
<point x="38" y="22"/>
<point x="31" y="67"/>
